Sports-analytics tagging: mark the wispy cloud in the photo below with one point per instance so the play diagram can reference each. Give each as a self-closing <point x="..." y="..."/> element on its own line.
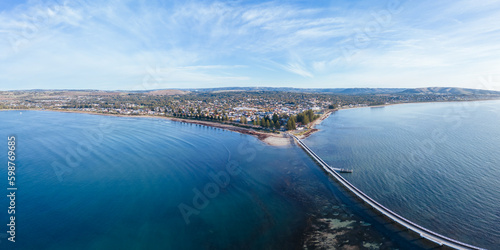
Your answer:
<point x="117" y="44"/>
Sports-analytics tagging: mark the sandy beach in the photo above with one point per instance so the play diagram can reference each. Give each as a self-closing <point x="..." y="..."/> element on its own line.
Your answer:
<point x="313" y="124"/>
<point x="272" y="139"/>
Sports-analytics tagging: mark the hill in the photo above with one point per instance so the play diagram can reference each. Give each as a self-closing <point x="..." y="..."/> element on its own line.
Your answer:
<point x="449" y="91"/>
<point x="357" y="91"/>
<point x="167" y="92"/>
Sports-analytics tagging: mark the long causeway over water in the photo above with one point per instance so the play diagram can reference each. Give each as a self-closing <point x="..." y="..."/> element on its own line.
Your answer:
<point x="396" y="218"/>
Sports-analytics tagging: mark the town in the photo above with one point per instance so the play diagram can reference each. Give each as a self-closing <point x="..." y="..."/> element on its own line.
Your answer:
<point x="268" y="110"/>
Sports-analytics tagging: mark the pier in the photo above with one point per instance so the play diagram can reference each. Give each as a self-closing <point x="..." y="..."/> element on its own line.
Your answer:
<point x="396" y="218"/>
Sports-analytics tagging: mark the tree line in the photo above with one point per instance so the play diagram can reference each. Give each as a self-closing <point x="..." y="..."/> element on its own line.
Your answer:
<point x="304" y="118"/>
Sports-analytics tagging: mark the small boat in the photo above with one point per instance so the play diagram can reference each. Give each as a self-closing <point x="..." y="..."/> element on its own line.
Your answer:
<point x="345" y="170"/>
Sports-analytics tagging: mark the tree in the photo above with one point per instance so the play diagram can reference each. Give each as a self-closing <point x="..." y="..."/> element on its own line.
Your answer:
<point x="275" y="117"/>
<point x="268" y="124"/>
<point x="243" y="120"/>
<point x="310" y="115"/>
<point x="277" y="125"/>
<point x="289" y="125"/>
<point x="305" y="121"/>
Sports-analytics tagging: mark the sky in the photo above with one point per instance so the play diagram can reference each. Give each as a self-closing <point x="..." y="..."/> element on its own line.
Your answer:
<point x="140" y="45"/>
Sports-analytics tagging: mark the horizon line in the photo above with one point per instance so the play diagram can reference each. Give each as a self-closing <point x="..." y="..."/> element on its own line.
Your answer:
<point x="234" y="87"/>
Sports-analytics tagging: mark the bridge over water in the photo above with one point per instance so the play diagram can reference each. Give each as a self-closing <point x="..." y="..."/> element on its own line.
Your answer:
<point x="396" y="218"/>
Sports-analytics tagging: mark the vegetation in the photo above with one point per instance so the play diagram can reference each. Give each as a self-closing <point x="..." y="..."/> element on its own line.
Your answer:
<point x="290" y="124"/>
<point x="243" y="120"/>
<point x="306" y="117"/>
<point x="268" y="110"/>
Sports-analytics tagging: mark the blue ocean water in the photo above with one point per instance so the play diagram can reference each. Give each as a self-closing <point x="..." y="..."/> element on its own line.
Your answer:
<point x="437" y="164"/>
<point x="101" y="182"/>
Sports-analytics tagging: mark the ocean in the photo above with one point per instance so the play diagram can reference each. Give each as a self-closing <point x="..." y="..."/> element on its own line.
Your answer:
<point x="437" y="164"/>
<point x="101" y="182"/>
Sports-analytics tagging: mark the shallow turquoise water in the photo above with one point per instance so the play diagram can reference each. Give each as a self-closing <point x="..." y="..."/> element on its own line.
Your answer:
<point x="437" y="164"/>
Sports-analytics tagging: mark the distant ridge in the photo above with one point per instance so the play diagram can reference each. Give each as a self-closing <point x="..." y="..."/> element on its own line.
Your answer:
<point x="167" y="92"/>
<point x="364" y="91"/>
<point x="360" y="91"/>
<point x="336" y="91"/>
<point x="345" y="91"/>
<point x="449" y="91"/>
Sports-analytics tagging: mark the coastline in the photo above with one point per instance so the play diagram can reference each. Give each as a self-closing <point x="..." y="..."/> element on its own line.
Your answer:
<point x="311" y="127"/>
<point x="323" y="227"/>
<point x="270" y="139"/>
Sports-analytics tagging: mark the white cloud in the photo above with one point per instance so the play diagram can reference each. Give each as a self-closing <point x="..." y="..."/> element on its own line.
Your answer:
<point x="113" y="44"/>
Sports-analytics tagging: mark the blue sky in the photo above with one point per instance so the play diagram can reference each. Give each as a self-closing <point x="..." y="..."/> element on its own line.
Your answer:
<point x="137" y="45"/>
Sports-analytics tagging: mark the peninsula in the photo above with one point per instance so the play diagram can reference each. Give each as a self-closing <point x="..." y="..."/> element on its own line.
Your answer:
<point x="267" y="113"/>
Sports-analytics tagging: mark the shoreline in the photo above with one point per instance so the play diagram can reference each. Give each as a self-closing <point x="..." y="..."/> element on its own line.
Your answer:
<point x="311" y="127"/>
<point x="402" y="103"/>
<point x="270" y="139"/>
